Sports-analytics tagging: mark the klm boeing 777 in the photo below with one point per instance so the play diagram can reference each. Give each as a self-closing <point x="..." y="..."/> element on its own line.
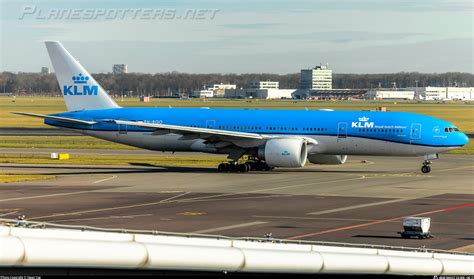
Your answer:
<point x="269" y="138"/>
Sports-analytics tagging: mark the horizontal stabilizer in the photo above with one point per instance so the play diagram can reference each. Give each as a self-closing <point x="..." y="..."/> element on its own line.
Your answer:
<point x="57" y="118"/>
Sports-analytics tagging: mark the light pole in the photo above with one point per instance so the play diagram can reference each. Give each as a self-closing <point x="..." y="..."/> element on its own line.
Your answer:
<point x="416" y="90"/>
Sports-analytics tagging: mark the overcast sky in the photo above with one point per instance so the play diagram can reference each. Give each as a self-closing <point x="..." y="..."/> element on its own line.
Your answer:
<point x="240" y="36"/>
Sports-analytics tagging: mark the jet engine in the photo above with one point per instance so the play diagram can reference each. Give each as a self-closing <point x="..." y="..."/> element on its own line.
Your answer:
<point x="323" y="159"/>
<point x="284" y="152"/>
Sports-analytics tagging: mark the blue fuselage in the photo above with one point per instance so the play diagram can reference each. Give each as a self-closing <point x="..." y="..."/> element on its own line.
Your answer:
<point x="347" y="127"/>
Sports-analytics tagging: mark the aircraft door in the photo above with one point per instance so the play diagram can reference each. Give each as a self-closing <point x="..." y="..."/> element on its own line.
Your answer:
<point x="122" y="129"/>
<point x="342" y="130"/>
<point x="415" y="133"/>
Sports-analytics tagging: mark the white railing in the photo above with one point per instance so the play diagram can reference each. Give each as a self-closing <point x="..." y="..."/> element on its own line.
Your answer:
<point x="60" y="247"/>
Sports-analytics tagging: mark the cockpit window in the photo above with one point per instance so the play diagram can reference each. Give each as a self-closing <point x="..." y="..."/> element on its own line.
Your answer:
<point x="451" y="129"/>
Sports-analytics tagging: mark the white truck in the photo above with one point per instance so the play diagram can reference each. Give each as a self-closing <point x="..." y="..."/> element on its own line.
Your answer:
<point x="418" y="227"/>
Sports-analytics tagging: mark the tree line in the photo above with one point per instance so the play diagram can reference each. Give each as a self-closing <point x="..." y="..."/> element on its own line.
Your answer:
<point x="174" y="83"/>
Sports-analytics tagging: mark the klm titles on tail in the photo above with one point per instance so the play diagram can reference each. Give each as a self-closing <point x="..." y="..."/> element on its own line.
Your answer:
<point x="78" y="89"/>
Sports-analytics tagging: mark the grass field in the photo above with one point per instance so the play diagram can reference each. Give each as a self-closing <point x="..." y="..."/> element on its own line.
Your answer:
<point x="468" y="149"/>
<point x="14" y="177"/>
<point x="459" y="113"/>
<point x="172" y="160"/>
<point x="75" y="142"/>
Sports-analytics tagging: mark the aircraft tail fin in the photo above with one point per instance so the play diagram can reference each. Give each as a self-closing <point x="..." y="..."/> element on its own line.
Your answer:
<point x="79" y="88"/>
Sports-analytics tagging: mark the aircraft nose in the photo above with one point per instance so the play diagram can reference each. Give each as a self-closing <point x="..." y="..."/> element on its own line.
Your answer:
<point x="463" y="139"/>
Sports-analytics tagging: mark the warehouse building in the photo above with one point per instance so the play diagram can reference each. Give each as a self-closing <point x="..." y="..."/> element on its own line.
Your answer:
<point x="261" y="90"/>
<point x="220" y="88"/>
<point x="216" y="90"/>
<point x="252" y="93"/>
<point x="381" y="94"/>
<point x="203" y="93"/>
<point x="431" y="93"/>
<point x="272" y="93"/>
<point x="264" y="84"/>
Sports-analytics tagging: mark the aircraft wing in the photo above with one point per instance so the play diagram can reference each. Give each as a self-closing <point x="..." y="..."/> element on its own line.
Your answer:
<point x="57" y="118"/>
<point x="207" y="133"/>
<point x="193" y="130"/>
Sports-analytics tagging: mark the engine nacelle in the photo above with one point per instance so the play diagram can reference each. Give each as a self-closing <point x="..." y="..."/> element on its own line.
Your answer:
<point x="284" y="152"/>
<point x="323" y="159"/>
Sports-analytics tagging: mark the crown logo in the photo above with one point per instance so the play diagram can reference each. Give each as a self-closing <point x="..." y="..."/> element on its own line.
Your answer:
<point x="363" y="119"/>
<point x="80" y="78"/>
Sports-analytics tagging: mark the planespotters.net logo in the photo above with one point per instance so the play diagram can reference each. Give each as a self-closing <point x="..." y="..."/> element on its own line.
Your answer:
<point x="80" y="87"/>
<point x="37" y="13"/>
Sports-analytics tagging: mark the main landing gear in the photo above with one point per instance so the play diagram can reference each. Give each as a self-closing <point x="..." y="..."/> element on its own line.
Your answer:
<point x="243" y="167"/>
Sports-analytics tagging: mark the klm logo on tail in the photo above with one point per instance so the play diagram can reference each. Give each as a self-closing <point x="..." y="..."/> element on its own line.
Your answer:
<point x="80" y="87"/>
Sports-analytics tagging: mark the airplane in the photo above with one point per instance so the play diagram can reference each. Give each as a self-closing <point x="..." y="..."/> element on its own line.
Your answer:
<point x="268" y="138"/>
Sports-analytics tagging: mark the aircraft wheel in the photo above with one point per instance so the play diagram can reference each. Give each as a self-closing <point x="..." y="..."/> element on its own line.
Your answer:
<point x="241" y="168"/>
<point x="425" y="169"/>
<point x="222" y="167"/>
<point x="257" y="166"/>
<point x="232" y="167"/>
<point x="248" y="167"/>
<point x="252" y="165"/>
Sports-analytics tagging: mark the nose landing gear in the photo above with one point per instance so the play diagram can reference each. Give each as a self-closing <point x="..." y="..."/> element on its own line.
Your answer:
<point x="426" y="166"/>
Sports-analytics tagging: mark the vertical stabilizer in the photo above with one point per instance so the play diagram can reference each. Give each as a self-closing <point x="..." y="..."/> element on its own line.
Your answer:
<point x="79" y="88"/>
